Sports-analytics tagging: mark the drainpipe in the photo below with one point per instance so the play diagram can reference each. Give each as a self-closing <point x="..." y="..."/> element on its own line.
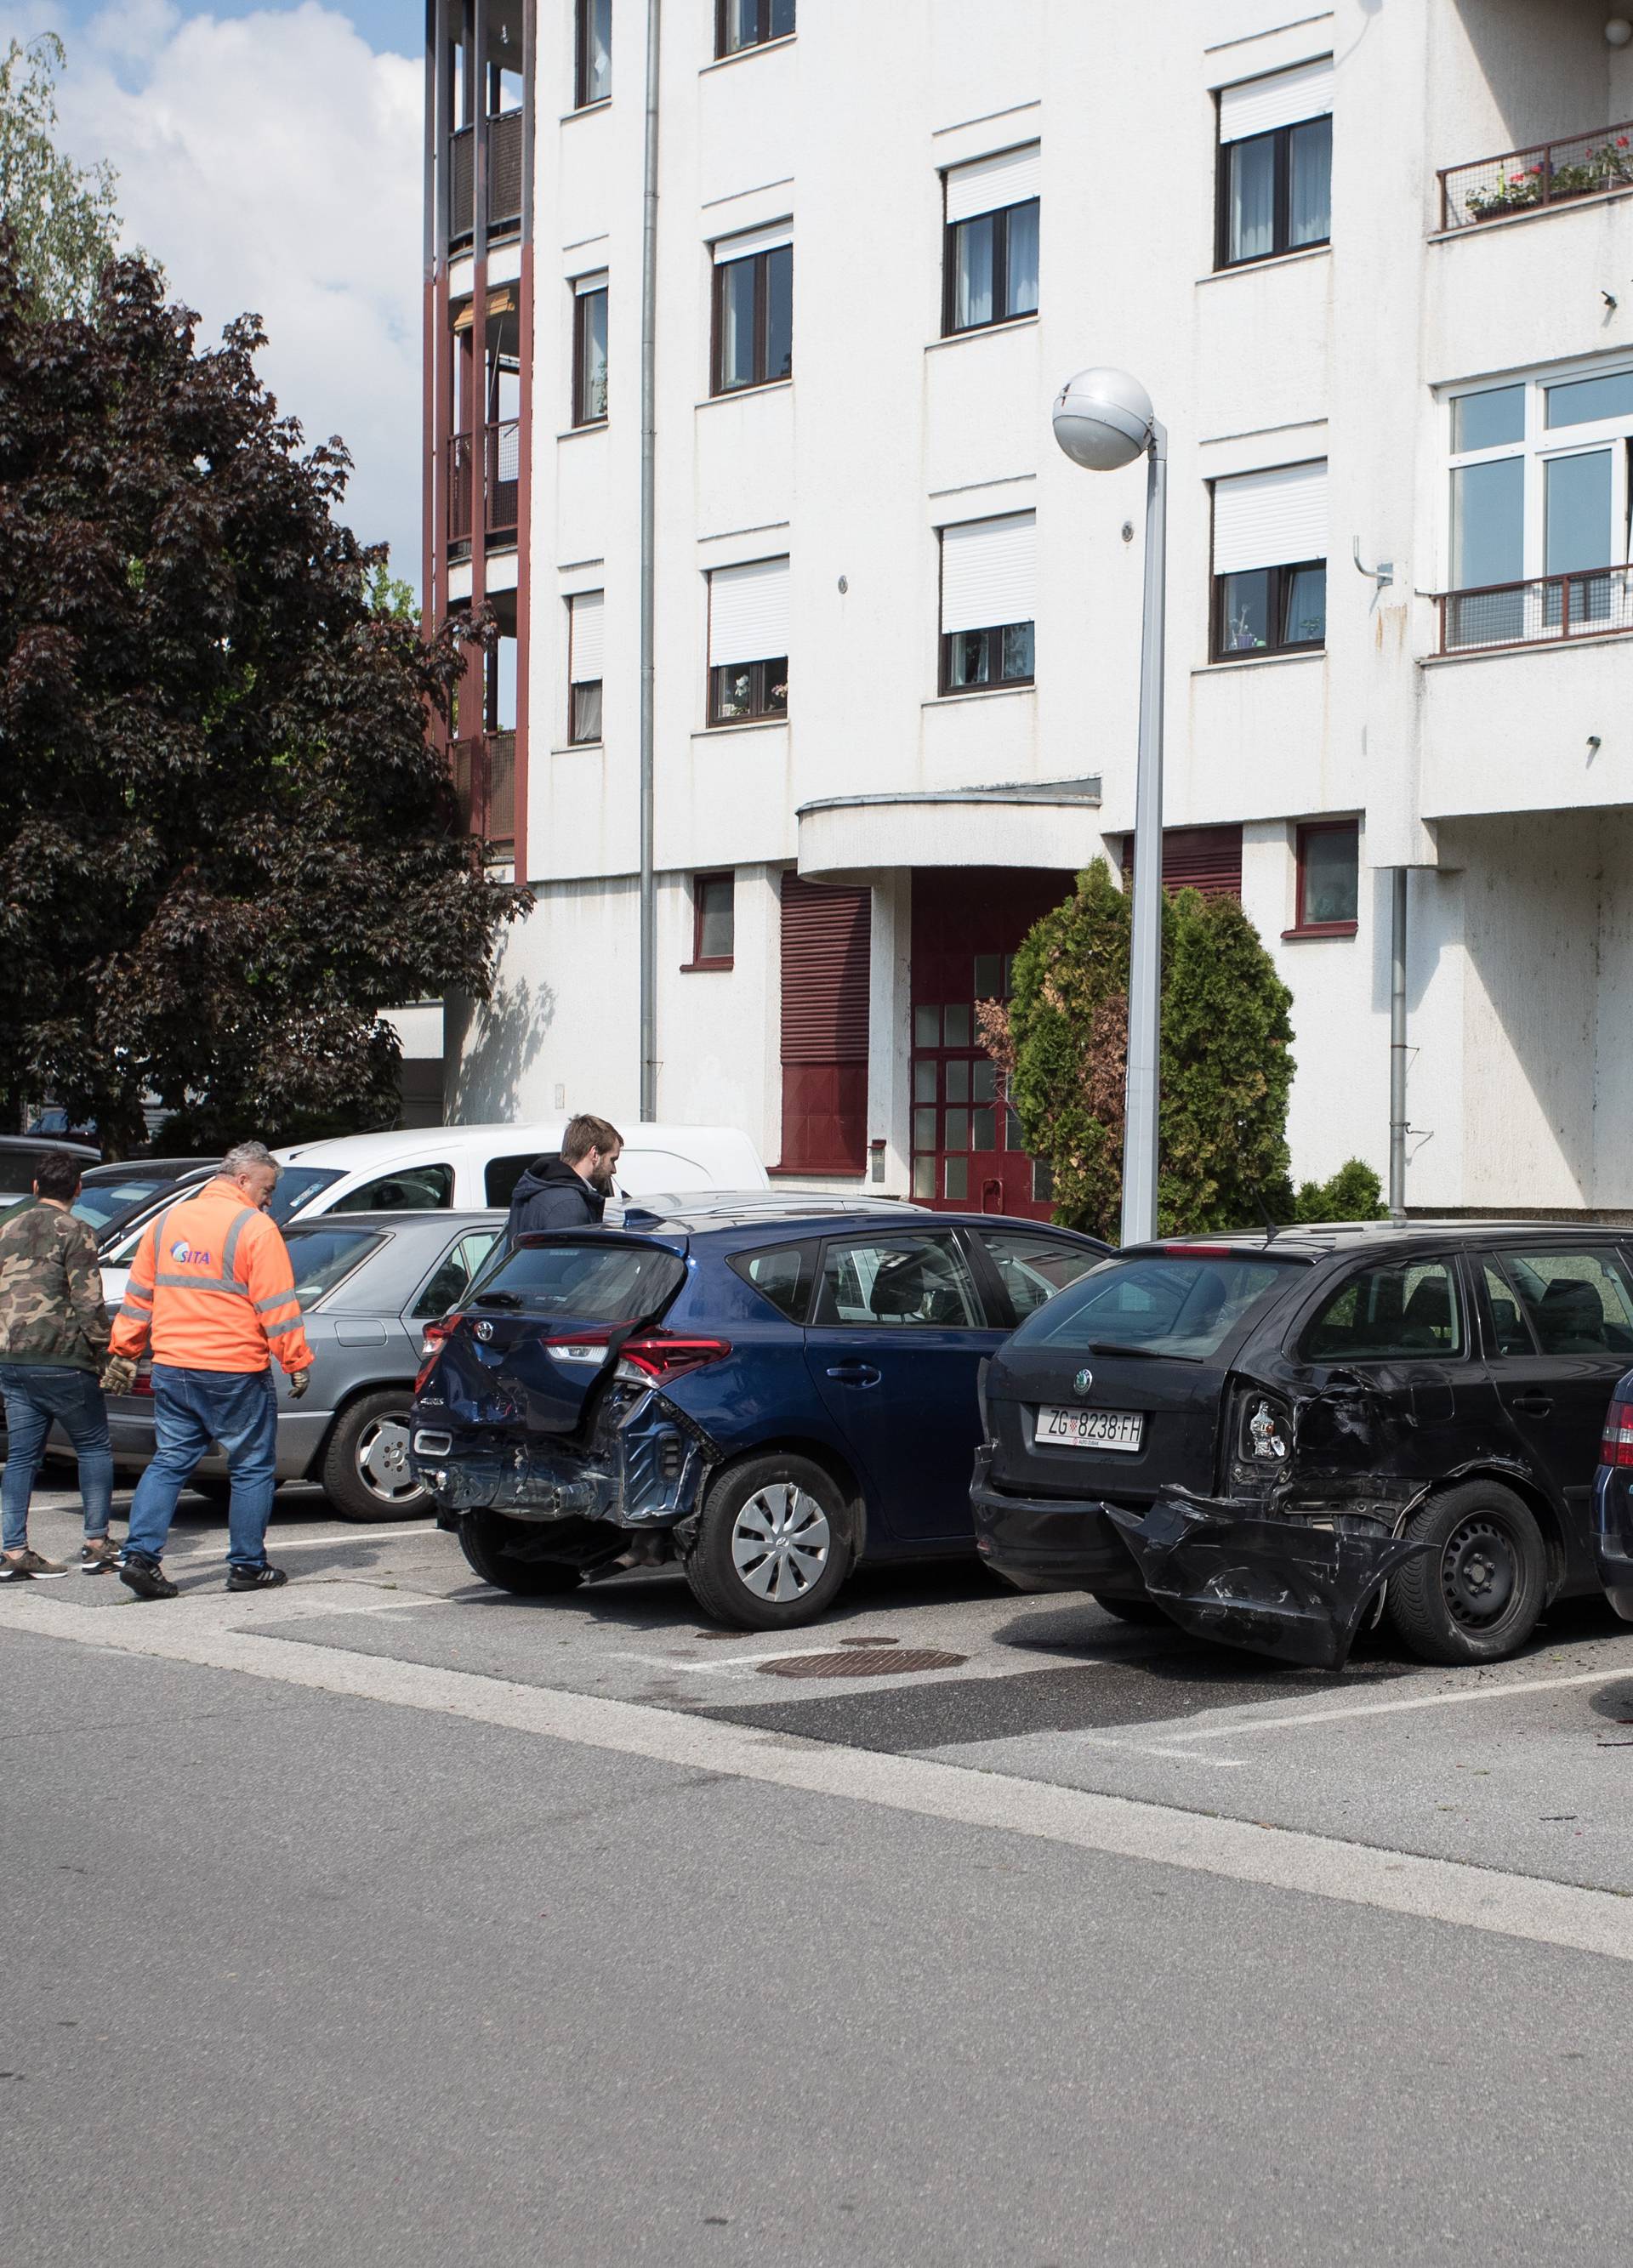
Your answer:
<point x="1397" y="1044"/>
<point x="648" y="572"/>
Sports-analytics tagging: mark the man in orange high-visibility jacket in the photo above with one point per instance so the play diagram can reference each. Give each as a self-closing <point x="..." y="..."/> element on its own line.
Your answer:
<point x="212" y="1287"/>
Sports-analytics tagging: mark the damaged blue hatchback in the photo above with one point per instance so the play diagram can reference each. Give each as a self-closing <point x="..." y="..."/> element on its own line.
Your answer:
<point x="758" y="1391"/>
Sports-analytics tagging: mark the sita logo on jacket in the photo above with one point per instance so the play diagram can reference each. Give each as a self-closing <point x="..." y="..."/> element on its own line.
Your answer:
<point x="188" y="1255"/>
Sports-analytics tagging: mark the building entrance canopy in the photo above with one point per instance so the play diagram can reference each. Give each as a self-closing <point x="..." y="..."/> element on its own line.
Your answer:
<point x="1048" y="823"/>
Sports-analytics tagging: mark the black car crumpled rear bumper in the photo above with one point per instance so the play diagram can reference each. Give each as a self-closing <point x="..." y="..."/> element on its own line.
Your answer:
<point x="1217" y="1568"/>
<point x="1278" y="1586"/>
<point x="642" y="1469"/>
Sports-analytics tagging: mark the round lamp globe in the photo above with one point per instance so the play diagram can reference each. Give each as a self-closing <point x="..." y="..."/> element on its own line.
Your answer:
<point x="1103" y="419"/>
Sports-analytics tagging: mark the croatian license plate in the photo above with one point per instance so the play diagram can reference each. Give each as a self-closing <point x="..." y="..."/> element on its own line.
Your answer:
<point x="1091" y="1429"/>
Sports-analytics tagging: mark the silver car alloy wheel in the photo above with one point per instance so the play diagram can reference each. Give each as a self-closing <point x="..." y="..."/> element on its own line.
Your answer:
<point x="780" y="1543"/>
<point x="382" y="1457"/>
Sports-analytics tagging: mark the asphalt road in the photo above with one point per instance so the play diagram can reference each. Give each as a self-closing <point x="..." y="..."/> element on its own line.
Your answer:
<point x="388" y="1919"/>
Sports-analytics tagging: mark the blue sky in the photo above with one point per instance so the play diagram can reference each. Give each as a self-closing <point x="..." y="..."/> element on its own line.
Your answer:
<point x="269" y="156"/>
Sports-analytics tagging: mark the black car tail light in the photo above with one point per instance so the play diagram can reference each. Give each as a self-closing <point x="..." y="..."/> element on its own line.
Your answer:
<point x="1267" y="1431"/>
<point x="1615" y="1447"/>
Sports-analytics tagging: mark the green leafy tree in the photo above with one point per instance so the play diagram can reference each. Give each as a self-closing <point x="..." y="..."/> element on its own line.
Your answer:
<point x="1353" y="1193"/>
<point x="1226" y="1069"/>
<point x="226" y="843"/>
<point x="64" y="217"/>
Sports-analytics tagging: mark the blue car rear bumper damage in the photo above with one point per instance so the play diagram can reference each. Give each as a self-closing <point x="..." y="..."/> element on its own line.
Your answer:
<point x="643" y="1467"/>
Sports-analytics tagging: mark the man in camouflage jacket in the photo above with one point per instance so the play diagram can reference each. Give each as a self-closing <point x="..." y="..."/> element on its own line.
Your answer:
<point x="54" y="1336"/>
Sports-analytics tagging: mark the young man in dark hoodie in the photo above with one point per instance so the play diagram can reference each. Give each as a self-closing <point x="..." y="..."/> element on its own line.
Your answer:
<point x="569" y="1190"/>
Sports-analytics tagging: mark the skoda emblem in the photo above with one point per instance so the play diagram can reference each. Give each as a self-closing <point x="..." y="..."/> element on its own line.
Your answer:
<point x="484" y="1331"/>
<point x="1083" y="1380"/>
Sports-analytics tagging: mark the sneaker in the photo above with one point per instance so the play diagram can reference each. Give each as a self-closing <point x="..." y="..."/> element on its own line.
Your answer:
<point x="27" y="1566"/>
<point x="101" y="1556"/>
<point x="256" y="1578"/>
<point x="145" y="1577"/>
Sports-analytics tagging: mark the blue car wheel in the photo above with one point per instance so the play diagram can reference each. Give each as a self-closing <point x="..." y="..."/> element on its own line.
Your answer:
<point x="775" y="1544"/>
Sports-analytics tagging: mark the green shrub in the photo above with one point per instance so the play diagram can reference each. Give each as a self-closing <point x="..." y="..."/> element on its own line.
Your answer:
<point x="1353" y="1193"/>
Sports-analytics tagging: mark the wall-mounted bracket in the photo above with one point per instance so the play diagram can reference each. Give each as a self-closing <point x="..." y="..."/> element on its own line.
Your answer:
<point x="1382" y="575"/>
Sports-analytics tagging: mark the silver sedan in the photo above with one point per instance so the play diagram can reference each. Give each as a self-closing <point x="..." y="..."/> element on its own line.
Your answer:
<point x="368" y="1284"/>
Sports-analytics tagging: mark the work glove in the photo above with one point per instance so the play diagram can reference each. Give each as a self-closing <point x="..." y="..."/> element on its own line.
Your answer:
<point x="299" y="1381"/>
<point x="118" y="1374"/>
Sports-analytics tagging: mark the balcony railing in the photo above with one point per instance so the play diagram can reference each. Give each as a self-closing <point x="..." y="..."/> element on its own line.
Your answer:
<point x="1547" y="173"/>
<point x="484" y="786"/>
<point x="1542" y="612"/>
<point x="503" y="176"/>
<point x="503" y="445"/>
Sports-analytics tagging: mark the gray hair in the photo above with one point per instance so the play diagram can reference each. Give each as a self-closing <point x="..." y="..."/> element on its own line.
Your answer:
<point x="242" y="1155"/>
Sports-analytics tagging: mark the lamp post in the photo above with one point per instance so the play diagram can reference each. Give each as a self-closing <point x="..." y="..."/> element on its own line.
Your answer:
<point x="1103" y="420"/>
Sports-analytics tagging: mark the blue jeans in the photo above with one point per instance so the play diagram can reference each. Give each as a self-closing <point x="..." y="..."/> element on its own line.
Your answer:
<point x="34" y="1394"/>
<point x="192" y="1409"/>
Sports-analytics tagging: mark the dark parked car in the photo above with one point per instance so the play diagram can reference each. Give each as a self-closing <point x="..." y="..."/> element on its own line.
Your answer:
<point x="111" y="1195"/>
<point x="1258" y="1434"/>
<point x="1613" y="1501"/>
<point x="762" y="1391"/>
<point x="19" y="1161"/>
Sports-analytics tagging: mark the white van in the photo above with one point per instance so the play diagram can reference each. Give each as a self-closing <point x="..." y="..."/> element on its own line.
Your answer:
<point x="431" y="1169"/>
<point x="464" y="1168"/>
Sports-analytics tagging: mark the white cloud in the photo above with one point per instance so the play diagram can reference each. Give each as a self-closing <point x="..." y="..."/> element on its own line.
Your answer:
<point x="271" y="161"/>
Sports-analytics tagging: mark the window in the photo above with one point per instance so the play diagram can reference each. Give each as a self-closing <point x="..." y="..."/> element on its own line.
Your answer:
<point x="748" y="641"/>
<point x="589" y="350"/>
<point x="989" y="572"/>
<point x="990" y="274"/>
<point x="783" y="1276"/>
<point x="592" y="68"/>
<point x="500" y="1175"/>
<point x="740" y="23"/>
<point x="1034" y="1267"/>
<point x="753" y="309"/>
<point x="1540" y="494"/>
<point x="320" y="1258"/>
<point x="586" y="617"/>
<point x="904" y="1280"/>
<point x="827" y="937"/>
<point x="1389" y="1315"/>
<point x="411" y="1189"/>
<point x="1575" y="1302"/>
<point x="713" y="921"/>
<point x="1270" y="562"/>
<point x="448" y="1283"/>
<point x="1176" y="1304"/>
<point x="1329" y="879"/>
<point x="1207" y="859"/>
<point x="1276" y="163"/>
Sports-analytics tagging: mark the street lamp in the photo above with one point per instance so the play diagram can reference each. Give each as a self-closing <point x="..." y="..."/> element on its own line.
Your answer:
<point x="1103" y="420"/>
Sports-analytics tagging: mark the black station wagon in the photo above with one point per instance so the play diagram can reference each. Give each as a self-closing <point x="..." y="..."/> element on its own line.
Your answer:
<point x="1270" y="1436"/>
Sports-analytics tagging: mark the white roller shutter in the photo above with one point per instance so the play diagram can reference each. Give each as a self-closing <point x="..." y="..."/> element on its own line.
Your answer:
<point x="989" y="572"/>
<point x="753" y="240"/>
<point x="583" y="284"/>
<point x="588" y="610"/>
<point x="1269" y="519"/>
<point x="748" y="612"/>
<point x="1009" y="179"/>
<point x="1283" y="99"/>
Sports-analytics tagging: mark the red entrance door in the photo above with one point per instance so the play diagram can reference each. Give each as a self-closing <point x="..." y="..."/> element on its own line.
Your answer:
<point x="967" y="922"/>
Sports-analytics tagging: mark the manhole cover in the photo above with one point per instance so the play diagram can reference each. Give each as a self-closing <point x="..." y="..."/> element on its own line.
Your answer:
<point x="883" y="1663"/>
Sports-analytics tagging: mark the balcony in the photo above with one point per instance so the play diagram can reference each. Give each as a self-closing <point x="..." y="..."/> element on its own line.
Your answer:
<point x="502" y="444"/>
<point x="504" y="177"/>
<point x="485" y="787"/>
<point x="1593" y="164"/>
<point x="1546" y="611"/>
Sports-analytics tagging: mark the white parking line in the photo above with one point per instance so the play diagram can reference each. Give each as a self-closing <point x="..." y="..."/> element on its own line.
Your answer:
<point x="1355" y="1873"/>
<point x="1241" y="1726"/>
<point x="276" y="1543"/>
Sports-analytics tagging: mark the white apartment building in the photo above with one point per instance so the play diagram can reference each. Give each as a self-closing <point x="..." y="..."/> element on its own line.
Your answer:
<point x="894" y="633"/>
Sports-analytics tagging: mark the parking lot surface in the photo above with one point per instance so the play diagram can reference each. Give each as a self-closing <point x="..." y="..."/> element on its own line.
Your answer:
<point x="463" y="1926"/>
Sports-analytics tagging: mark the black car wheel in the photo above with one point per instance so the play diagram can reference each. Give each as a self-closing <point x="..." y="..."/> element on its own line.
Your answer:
<point x="499" y="1550"/>
<point x="1475" y="1595"/>
<point x="773" y="1544"/>
<point x="365" y="1472"/>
